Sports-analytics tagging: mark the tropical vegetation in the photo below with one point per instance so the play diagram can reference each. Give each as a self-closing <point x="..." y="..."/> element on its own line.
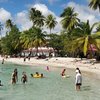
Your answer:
<point x="75" y="38"/>
<point x="94" y="4"/>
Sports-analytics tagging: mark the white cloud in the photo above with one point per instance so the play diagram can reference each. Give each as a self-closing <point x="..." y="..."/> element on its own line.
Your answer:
<point x="45" y="11"/>
<point x="23" y="21"/>
<point x="85" y="13"/>
<point x="4" y="15"/>
<point x="22" y="18"/>
<point x="43" y="8"/>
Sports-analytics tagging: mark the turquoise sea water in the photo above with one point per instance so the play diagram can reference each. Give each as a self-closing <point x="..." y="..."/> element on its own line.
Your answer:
<point x="52" y="87"/>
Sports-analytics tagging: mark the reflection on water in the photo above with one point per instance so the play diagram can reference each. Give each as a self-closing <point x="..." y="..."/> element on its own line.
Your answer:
<point x="52" y="87"/>
<point x="86" y="88"/>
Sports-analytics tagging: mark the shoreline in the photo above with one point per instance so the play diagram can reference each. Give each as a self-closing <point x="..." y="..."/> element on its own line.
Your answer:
<point x="72" y="63"/>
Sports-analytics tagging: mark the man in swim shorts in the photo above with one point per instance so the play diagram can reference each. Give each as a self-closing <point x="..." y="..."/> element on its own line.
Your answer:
<point x="78" y="80"/>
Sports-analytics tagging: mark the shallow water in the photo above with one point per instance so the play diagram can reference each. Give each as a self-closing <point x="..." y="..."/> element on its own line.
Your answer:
<point x="52" y="87"/>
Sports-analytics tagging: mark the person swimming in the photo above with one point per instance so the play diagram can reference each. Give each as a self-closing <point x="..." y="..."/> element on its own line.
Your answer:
<point x="42" y="76"/>
<point x="31" y="75"/>
<point x="63" y="72"/>
<point x="37" y="75"/>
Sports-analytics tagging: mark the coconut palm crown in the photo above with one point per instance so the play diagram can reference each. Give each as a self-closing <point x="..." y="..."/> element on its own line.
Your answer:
<point x="86" y="38"/>
<point x="69" y="18"/>
<point x="50" y="22"/>
<point x="94" y="4"/>
<point x="36" y="17"/>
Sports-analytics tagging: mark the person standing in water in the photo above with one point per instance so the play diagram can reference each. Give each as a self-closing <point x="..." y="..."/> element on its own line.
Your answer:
<point x="24" y="78"/>
<point x="16" y="74"/>
<point x="78" y="70"/>
<point x="3" y="61"/>
<point x="78" y="80"/>
<point x="13" y="78"/>
<point x="47" y="68"/>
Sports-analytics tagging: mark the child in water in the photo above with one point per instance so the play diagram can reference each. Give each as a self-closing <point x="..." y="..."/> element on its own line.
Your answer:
<point x="13" y="78"/>
<point x="47" y="68"/>
<point x="24" y="77"/>
<point x="3" y="61"/>
<point x="63" y="73"/>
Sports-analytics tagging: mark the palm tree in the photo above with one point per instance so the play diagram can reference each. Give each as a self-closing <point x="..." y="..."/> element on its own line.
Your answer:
<point x="33" y="38"/>
<point x="36" y="17"/>
<point x="39" y="39"/>
<point x="9" y="24"/>
<point x="50" y="22"/>
<point x="1" y="27"/>
<point x="86" y="38"/>
<point x="94" y="4"/>
<point x="27" y="38"/>
<point x="98" y="28"/>
<point x="70" y="19"/>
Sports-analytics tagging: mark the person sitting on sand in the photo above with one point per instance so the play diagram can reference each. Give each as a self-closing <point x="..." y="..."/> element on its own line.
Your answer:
<point x="24" y="77"/>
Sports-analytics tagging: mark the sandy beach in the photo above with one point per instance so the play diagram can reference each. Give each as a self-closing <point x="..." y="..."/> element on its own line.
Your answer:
<point x="84" y="65"/>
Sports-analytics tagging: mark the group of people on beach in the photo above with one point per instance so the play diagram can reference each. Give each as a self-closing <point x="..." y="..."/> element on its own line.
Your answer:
<point x="78" y="77"/>
<point x="14" y="77"/>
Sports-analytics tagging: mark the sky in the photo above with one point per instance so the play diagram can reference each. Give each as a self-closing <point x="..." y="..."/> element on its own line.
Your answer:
<point x="18" y="11"/>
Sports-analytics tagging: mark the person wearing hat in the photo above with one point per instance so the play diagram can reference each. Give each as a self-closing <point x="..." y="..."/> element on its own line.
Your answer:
<point x="78" y="80"/>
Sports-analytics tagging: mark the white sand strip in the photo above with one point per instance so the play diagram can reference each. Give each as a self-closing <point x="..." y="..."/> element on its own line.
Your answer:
<point x="84" y="65"/>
